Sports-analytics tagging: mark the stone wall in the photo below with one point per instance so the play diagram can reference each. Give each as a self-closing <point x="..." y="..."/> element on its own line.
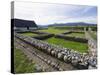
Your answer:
<point x="92" y="44"/>
<point x="82" y="40"/>
<point x="40" y="36"/>
<point x="67" y="32"/>
<point x="81" y="61"/>
<point x="43" y="37"/>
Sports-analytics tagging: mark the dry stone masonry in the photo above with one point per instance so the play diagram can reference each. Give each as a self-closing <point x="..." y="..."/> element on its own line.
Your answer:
<point x="79" y="60"/>
<point x="77" y="39"/>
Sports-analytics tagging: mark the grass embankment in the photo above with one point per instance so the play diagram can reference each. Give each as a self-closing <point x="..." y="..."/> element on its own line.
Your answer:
<point x="21" y="63"/>
<point x="53" y="30"/>
<point x="81" y="47"/>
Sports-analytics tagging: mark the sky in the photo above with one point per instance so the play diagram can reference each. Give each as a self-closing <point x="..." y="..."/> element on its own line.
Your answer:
<point x="46" y="13"/>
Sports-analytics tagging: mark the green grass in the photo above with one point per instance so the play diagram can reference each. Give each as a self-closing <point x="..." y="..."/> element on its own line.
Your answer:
<point x="29" y="34"/>
<point x="81" y="35"/>
<point x="53" y="30"/>
<point x="70" y="27"/>
<point x="21" y="63"/>
<point x="81" y="47"/>
<point x="93" y="35"/>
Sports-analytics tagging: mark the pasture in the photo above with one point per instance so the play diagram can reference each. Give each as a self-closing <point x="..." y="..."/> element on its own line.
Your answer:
<point x="80" y="47"/>
<point x="53" y="30"/>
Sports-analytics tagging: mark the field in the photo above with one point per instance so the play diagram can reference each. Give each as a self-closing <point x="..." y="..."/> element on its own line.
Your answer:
<point x="78" y="46"/>
<point x="81" y="35"/>
<point x="81" y="47"/>
<point x="22" y="63"/>
<point x="53" y="30"/>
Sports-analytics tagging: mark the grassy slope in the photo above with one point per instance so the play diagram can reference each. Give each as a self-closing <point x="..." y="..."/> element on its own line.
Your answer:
<point x="21" y="63"/>
<point x="52" y="30"/>
<point x="81" y="47"/>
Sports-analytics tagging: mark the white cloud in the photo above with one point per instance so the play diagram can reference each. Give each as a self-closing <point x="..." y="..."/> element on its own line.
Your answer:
<point x="44" y="14"/>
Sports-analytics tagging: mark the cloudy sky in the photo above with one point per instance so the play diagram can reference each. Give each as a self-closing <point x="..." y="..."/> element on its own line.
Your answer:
<point x="44" y="14"/>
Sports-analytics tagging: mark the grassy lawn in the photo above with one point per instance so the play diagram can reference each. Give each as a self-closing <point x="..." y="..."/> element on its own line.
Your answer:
<point x="21" y="63"/>
<point x="53" y="30"/>
<point x="29" y="34"/>
<point x="81" y="35"/>
<point x="81" y="47"/>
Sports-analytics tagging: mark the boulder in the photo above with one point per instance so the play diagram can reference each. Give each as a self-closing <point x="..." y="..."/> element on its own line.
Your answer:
<point x="52" y="52"/>
<point x="38" y="68"/>
<point x="65" y="58"/>
<point x="60" y="55"/>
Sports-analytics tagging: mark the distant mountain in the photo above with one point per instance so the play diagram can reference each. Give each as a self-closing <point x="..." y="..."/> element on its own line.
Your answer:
<point x="23" y="23"/>
<point x="73" y="24"/>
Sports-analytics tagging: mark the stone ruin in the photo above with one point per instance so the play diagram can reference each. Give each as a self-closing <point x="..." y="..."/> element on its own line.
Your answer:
<point x="78" y="60"/>
<point x="40" y="36"/>
<point x="77" y="39"/>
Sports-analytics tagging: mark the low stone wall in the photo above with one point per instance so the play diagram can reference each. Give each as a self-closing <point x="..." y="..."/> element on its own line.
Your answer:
<point x="29" y="31"/>
<point x="78" y="60"/>
<point x="43" y="37"/>
<point x="92" y="44"/>
<point x="38" y="32"/>
<point x="77" y="31"/>
<point x="82" y="40"/>
<point x="40" y="36"/>
<point x="67" y="32"/>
